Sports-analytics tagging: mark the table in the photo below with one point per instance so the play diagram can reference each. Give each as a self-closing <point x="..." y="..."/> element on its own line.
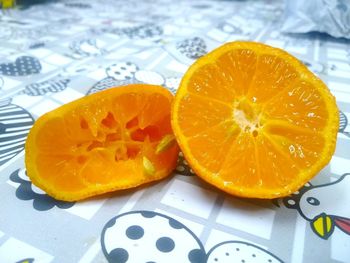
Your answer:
<point x="54" y="53"/>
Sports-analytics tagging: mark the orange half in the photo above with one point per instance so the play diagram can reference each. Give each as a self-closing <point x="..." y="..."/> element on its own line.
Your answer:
<point x="115" y="139"/>
<point x="253" y="121"/>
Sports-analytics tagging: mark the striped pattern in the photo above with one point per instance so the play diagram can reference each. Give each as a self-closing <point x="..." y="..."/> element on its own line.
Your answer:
<point x="110" y="82"/>
<point x="15" y="124"/>
<point x="41" y="88"/>
<point x="343" y="121"/>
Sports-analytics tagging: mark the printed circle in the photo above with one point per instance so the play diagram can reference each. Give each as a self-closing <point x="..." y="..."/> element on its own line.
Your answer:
<point x="197" y="256"/>
<point x="148" y="214"/>
<point x="165" y="244"/>
<point x="291" y="202"/>
<point x="313" y="201"/>
<point x="119" y="255"/>
<point x="175" y="224"/>
<point x="134" y="232"/>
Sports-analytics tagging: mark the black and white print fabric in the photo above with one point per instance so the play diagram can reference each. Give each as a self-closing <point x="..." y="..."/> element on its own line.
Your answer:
<point x="15" y="123"/>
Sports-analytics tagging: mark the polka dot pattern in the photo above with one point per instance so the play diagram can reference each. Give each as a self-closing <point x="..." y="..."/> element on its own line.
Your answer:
<point x="23" y="66"/>
<point x="240" y="252"/>
<point x="119" y="255"/>
<point x="165" y="244"/>
<point x="134" y="232"/>
<point x="192" y="48"/>
<point x="147" y="236"/>
<point x="144" y="31"/>
<point x="122" y="70"/>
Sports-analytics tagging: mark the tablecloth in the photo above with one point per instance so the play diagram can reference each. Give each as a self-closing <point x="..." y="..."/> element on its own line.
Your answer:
<point x="53" y="53"/>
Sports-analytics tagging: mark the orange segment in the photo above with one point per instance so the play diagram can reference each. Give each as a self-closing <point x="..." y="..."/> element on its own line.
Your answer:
<point x="301" y="104"/>
<point x="237" y="67"/>
<point x="302" y="146"/>
<point x="212" y="144"/>
<point x="210" y="83"/>
<point x="275" y="167"/>
<point x="202" y="114"/>
<point x="272" y="75"/>
<point x="98" y="143"/>
<point x="241" y="159"/>
<point x="285" y="120"/>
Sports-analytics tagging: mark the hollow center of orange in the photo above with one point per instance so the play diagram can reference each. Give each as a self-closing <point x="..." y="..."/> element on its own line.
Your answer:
<point x="247" y="116"/>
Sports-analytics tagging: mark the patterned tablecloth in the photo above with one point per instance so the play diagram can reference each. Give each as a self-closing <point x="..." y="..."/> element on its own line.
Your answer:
<point x="52" y="54"/>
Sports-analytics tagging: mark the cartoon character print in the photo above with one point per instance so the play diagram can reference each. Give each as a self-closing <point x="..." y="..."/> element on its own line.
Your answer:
<point x="147" y="236"/>
<point x="237" y="26"/>
<point x="324" y="206"/>
<point x="229" y="28"/>
<point x="27" y="191"/>
<point x="15" y="123"/>
<point x="22" y="66"/>
<point x="85" y="48"/>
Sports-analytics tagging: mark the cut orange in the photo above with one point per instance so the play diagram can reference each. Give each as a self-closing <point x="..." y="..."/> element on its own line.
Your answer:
<point x="253" y="121"/>
<point x="115" y="139"/>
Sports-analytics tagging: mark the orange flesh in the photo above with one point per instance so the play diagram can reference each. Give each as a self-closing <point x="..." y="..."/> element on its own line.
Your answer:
<point x="253" y="121"/>
<point x="97" y="144"/>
